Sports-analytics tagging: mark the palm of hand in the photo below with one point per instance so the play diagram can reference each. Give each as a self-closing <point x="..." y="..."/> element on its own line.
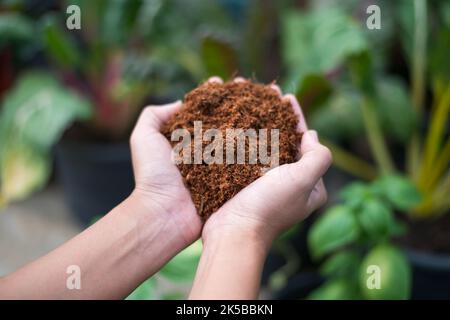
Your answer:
<point x="157" y="177"/>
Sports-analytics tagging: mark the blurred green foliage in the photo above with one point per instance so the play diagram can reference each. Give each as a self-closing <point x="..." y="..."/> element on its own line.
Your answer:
<point x="356" y="234"/>
<point x="356" y="86"/>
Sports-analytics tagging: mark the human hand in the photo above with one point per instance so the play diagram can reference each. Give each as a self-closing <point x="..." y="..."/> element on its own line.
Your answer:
<point x="159" y="184"/>
<point x="280" y="198"/>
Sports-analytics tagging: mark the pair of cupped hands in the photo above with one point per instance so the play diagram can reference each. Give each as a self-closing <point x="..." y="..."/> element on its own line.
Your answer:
<point x="282" y="197"/>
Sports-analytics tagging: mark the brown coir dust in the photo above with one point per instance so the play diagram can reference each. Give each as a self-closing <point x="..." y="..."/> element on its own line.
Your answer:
<point x="237" y="105"/>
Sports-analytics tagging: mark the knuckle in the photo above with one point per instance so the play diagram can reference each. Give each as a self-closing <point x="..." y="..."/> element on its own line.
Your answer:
<point x="132" y="139"/>
<point x="325" y="154"/>
<point x="323" y="197"/>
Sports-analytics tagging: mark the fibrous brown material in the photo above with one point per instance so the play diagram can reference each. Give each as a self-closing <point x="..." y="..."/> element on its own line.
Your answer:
<point x="237" y="105"/>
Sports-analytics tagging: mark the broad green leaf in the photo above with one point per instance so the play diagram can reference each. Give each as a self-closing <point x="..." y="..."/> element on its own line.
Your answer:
<point x="14" y="26"/>
<point x="343" y="263"/>
<point x="335" y="228"/>
<point x="174" y="296"/>
<point x="22" y="171"/>
<point x="38" y="109"/>
<point x="439" y="58"/>
<point x="318" y="41"/>
<point x="397" y="115"/>
<point x="146" y="291"/>
<point x="376" y="218"/>
<point x="339" y="117"/>
<point x="58" y="43"/>
<point x="362" y="72"/>
<point x="219" y="57"/>
<point x="313" y="91"/>
<point x="385" y="274"/>
<point x="118" y="19"/>
<point x="355" y="194"/>
<point x="400" y="191"/>
<point x="336" y="289"/>
<point x="183" y="266"/>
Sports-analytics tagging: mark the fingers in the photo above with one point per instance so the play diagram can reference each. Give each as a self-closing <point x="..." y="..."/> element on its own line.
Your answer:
<point x="302" y="126"/>
<point x="166" y="111"/>
<point x="215" y="80"/>
<point x="318" y="196"/>
<point x="239" y="79"/>
<point x="276" y="88"/>
<point x="315" y="161"/>
<point x="152" y="117"/>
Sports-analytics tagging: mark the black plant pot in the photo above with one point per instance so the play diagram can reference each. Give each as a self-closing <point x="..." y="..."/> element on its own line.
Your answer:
<point x="95" y="177"/>
<point x="431" y="275"/>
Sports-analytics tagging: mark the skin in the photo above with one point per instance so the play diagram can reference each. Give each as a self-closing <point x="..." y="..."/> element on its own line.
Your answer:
<point x="159" y="219"/>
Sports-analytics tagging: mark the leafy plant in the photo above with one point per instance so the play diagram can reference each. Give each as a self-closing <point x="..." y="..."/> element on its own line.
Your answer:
<point x="37" y="101"/>
<point x="355" y="235"/>
<point x="348" y="93"/>
<point x="125" y="53"/>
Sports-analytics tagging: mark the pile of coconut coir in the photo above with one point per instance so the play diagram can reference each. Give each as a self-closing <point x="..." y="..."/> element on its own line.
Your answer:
<point x="238" y="105"/>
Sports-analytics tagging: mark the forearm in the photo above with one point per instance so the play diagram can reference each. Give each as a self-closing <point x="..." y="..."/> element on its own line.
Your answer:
<point x="114" y="255"/>
<point x="230" y="267"/>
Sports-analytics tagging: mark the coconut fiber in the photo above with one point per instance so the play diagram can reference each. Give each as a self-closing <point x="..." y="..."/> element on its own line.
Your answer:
<point x="238" y="105"/>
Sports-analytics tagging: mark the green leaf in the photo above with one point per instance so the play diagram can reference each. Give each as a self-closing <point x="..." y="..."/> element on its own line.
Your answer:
<point x="388" y="265"/>
<point x="318" y="41"/>
<point x="183" y="266"/>
<point x="38" y="109"/>
<point x="397" y="115"/>
<point x="355" y="194"/>
<point x="219" y="57"/>
<point x="400" y="191"/>
<point x="174" y="296"/>
<point x="344" y="263"/>
<point x="33" y="116"/>
<point x="362" y="72"/>
<point x="339" y="117"/>
<point x="313" y="91"/>
<point x="440" y="51"/>
<point x="376" y="218"/>
<point x="59" y="44"/>
<point x="336" y="289"/>
<point x="335" y="228"/>
<point x="22" y="171"/>
<point x="146" y="291"/>
<point x="118" y="19"/>
<point x="14" y="26"/>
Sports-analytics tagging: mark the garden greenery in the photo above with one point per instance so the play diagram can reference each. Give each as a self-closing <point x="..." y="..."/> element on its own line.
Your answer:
<point x="355" y="235"/>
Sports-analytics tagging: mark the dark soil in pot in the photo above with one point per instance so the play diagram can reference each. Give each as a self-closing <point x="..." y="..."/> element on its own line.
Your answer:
<point x="427" y="245"/>
<point x="95" y="176"/>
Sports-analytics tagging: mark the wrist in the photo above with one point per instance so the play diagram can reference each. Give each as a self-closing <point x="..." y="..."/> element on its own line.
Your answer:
<point x="154" y="228"/>
<point x="217" y="229"/>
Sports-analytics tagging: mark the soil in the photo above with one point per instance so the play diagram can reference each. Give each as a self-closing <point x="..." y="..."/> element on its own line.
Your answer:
<point x="232" y="105"/>
<point x="431" y="235"/>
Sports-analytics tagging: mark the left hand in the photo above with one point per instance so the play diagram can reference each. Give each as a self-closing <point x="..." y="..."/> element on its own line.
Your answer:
<point x="159" y="184"/>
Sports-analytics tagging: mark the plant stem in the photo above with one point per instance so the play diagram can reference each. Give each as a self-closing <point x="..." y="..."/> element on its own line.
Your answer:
<point x="281" y="276"/>
<point x="375" y="137"/>
<point x="418" y="79"/>
<point x="351" y="163"/>
<point x="440" y="166"/>
<point x="434" y="140"/>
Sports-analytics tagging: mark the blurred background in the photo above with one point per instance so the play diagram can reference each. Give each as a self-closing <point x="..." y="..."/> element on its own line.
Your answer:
<point x="373" y="77"/>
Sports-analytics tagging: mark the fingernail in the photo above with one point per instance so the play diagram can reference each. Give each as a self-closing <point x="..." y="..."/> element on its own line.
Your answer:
<point x="314" y="135"/>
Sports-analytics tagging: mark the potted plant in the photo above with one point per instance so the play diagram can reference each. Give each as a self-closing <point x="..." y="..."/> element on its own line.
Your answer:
<point x="84" y="98"/>
<point x="355" y="94"/>
<point x="365" y="263"/>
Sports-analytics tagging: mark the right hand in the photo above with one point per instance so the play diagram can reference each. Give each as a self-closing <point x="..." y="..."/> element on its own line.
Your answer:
<point x="279" y="199"/>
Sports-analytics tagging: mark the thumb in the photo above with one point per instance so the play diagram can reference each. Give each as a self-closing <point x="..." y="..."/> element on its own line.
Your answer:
<point x="314" y="162"/>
